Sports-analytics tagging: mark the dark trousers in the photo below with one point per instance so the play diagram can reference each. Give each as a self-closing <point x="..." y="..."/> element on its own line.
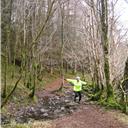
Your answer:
<point x="77" y="94"/>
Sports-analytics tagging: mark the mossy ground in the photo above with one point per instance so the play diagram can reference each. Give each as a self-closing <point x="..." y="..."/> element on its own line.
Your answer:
<point x="36" y="124"/>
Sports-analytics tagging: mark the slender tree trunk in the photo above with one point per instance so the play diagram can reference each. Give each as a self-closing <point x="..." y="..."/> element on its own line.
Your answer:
<point x="125" y="88"/>
<point x="126" y="70"/>
<point x="105" y="42"/>
<point x="6" y="31"/>
<point x="9" y="41"/>
<point x="5" y="75"/>
<point x="66" y="64"/>
<point x="83" y="71"/>
<point x="51" y="66"/>
<point x="62" y="45"/>
<point x="75" y="67"/>
<point x="34" y="82"/>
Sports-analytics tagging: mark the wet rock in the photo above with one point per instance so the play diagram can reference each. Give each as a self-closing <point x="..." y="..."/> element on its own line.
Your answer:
<point x="66" y="101"/>
<point x="61" y="115"/>
<point x="67" y="106"/>
<point x="30" y="120"/>
<point x="45" y="114"/>
<point x="72" y="104"/>
<point x="62" y="108"/>
<point x="21" y="119"/>
<point x="48" y="108"/>
<point x="30" y="110"/>
<point x="57" y="97"/>
<point x="67" y="91"/>
<point x="37" y="112"/>
<point x="29" y="114"/>
<point x="71" y="110"/>
<point x="42" y="110"/>
<point x="57" y="111"/>
<point x="4" y="120"/>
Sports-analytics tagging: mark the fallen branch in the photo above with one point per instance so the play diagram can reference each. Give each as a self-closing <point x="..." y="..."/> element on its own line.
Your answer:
<point x="5" y="101"/>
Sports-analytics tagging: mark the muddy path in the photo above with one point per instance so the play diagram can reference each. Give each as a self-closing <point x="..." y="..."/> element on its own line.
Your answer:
<point x="59" y="108"/>
<point x="89" y="116"/>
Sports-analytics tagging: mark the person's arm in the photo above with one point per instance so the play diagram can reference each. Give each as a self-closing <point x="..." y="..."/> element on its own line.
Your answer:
<point x="70" y="80"/>
<point x="83" y="82"/>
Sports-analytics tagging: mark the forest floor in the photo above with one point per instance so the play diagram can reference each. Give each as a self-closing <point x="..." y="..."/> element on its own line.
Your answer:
<point x="56" y="109"/>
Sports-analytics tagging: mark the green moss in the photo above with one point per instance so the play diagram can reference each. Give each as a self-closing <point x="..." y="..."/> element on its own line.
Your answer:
<point x="95" y="96"/>
<point x="34" y="99"/>
<point x="4" y="110"/>
<point x="16" y="126"/>
<point x="35" y="124"/>
<point x="110" y="92"/>
<point x="109" y="103"/>
<point x="124" y="106"/>
<point x="87" y="87"/>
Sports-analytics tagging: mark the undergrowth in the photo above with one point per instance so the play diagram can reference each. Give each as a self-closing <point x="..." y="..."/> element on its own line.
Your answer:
<point x="100" y="96"/>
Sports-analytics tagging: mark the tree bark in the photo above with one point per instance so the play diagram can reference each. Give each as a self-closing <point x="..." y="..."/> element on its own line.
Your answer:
<point x="105" y="42"/>
<point x="5" y="75"/>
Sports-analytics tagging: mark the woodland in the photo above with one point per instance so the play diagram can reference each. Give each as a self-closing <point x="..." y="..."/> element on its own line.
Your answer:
<point x="43" y="40"/>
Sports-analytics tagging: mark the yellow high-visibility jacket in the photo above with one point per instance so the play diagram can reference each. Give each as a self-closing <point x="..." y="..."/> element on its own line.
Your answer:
<point x="77" y="85"/>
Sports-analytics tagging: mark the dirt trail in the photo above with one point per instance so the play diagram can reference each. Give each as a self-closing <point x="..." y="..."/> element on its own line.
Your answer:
<point x="62" y="112"/>
<point x="54" y="85"/>
<point x="51" y="88"/>
<point x="87" y="116"/>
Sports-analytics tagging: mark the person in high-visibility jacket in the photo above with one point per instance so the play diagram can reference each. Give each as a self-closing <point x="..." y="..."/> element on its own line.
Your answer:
<point x="77" y="87"/>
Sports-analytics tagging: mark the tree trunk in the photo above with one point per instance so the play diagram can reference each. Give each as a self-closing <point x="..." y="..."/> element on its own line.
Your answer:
<point x="5" y="75"/>
<point x="126" y="69"/>
<point x="125" y="88"/>
<point x="75" y="67"/>
<point x="105" y="42"/>
<point x="7" y="19"/>
<point x="33" y="84"/>
<point x="66" y="64"/>
<point x="51" y="66"/>
<point x="62" y="46"/>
